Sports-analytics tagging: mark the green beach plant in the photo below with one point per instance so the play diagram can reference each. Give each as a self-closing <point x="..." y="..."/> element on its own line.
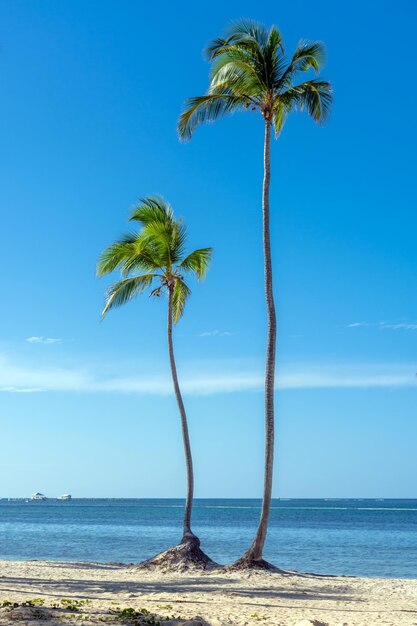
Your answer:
<point x="34" y="602"/>
<point x="250" y="71"/>
<point x="154" y="258"/>
<point x="137" y="617"/>
<point x="72" y="604"/>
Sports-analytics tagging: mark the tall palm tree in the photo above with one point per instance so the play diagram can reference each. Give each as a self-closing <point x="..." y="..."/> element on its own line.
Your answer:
<point x="156" y="254"/>
<point x="251" y="71"/>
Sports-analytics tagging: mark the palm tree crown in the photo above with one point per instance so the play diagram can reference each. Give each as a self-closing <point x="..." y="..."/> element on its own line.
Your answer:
<point x="155" y="254"/>
<point x="251" y="71"/>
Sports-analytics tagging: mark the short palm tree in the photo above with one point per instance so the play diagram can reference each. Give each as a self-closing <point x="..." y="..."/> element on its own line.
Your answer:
<point x="156" y="254"/>
<point x="250" y="71"/>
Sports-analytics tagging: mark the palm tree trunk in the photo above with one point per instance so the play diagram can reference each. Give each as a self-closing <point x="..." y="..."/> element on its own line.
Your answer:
<point x="188" y="535"/>
<point x="255" y="551"/>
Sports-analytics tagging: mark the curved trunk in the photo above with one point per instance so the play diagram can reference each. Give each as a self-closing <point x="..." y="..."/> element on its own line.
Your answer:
<point x="255" y="551"/>
<point x="188" y="535"/>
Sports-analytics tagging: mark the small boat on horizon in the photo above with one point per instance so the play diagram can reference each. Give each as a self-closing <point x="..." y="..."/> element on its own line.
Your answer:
<point x="65" y="496"/>
<point x="38" y="496"/>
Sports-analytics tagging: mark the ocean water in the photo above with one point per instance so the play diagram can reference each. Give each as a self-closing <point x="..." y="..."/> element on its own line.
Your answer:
<point x="350" y="537"/>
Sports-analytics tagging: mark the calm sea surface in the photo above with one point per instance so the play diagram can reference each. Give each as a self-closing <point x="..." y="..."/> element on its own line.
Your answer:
<point x="351" y="537"/>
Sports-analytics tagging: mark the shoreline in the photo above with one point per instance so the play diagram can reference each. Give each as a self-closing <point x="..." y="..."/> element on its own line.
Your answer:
<point x="220" y="568"/>
<point x="215" y="597"/>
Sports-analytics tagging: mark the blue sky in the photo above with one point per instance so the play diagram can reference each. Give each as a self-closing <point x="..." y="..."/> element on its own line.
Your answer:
<point x="90" y="93"/>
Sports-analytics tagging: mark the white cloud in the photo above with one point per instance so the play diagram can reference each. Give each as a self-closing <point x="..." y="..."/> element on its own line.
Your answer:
<point x="18" y="390"/>
<point x="386" y="325"/>
<point x="215" y="333"/>
<point x="44" y="340"/>
<point x="399" y="326"/>
<point x="212" y="378"/>
<point x="328" y="379"/>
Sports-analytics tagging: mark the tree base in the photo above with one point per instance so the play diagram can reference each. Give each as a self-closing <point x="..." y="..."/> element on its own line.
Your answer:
<point x="182" y="558"/>
<point x="248" y="562"/>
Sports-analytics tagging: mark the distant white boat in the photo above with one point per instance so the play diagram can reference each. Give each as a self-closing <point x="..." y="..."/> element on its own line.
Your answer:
<point x="38" y="496"/>
<point x="65" y="496"/>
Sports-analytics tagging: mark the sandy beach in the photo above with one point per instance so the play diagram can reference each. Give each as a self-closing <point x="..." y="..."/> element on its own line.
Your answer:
<point x="213" y="598"/>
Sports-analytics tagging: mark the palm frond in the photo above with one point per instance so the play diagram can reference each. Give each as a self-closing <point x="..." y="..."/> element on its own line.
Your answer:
<point x="274" y="59"/>
<point x="232" y="71"/>
<point x="307" y="55"/>
<point x="207" y="108"/>
<point x="314" y="96"/>
<point x="262" y="47"/>
<point x="114" y="257"/>
<point x="180" y="295"/>
<point x="246" y="30"/>
<point x="241" y="34"/>
<point x="275" y="43"/>
<point x="124" y="290"/>
<point x="216" y="47"/>
<point x="178" y="241"/>
<point x="247" y="55"/>
<point x="279" y="117"/>
<point x="147" y="260"/>
<point x="164" y="241"/>
<point x="152" y="209"/>
<point x="131" y="253"/>
<point x="162" y="237"/>
<point x="197" y="261"/>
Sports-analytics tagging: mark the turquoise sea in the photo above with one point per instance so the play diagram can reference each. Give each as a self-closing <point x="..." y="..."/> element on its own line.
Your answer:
<point x="350" y="537"/>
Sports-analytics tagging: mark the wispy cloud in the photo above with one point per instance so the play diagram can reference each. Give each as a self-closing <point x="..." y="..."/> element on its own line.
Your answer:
<point x="44" y="340"/>
<point x="399" y="326"/>
<point x="212" y="378"/>
<point x="362" y="378"/>
<point x="215" y="333"/>
<point x="386" y="325"/>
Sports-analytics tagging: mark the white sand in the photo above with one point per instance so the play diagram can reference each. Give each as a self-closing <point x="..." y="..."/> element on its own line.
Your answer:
<point x="216" y="598"/>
